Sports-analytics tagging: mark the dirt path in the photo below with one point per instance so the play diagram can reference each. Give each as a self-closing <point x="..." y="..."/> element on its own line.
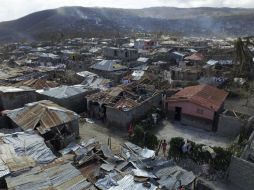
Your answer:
<point x="102" y="133"/>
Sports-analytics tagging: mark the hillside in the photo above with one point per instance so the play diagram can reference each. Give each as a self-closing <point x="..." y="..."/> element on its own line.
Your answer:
<point x="78" y="21"/>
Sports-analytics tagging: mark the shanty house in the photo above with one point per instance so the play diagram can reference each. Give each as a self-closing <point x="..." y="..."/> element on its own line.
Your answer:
<point x="197" y="106"/>
<point x="186" y="73"/>
<point x="195" y="59"/>
<point x="56" y="124"/>
<point x="94" y="81"/>
<point x="70" y="97"/>
<point x="37" y="84"/>
<point x="123" y="104"/>
<point x="109" y="69"/>
<point x="145" y="44"/>
<point x="12" y="98"/>
<point x="176" y="57"/>
<point x="124" y="54"/>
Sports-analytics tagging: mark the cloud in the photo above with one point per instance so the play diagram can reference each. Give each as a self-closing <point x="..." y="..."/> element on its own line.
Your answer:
<point x="12" y="9"/>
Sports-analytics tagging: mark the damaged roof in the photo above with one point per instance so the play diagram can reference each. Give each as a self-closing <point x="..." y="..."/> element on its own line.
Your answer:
<point x="42" y="115"/>
<point x="21" y="151"/>
<point x="124" y="96"/>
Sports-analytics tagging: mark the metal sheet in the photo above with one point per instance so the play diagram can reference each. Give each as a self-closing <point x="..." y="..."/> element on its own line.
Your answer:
<point x="128" y="183"/>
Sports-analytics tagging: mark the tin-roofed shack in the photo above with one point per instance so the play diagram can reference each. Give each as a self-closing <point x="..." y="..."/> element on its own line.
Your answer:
<point x="70" y="97"/>
<point x="56" y="124"/>
<point x="123" y="104"/>
<point x="12" y="98"/>
<point x="37" y="84"/>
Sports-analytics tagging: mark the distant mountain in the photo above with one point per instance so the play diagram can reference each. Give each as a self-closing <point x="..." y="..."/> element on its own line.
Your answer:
<point x="80" y="21"/>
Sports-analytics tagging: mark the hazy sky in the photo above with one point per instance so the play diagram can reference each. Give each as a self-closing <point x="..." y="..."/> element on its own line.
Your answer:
<point x="12" y="9"/>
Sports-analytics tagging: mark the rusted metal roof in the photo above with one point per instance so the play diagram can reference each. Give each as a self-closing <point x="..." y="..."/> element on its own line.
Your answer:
<point x="195" y="57"/>
<point x="204" y="95"/>
<point x="38" y="83"/>
<point x="17" y="163"/>
<point x="42" y="115"/>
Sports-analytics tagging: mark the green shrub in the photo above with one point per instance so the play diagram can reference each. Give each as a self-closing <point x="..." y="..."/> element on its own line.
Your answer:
<point x="198" y="155"/>
<point x="222" y="159"/>
<point x="175" y="150"/>
<point x="151" y="141"/>
<point x="220" y="162"/>
<point x="138" y="135"/>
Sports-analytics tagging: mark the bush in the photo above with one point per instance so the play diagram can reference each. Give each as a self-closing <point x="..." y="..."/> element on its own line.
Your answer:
<point x="151" y="141"/>
<point x="220" y="162"/>
<point x="222" y="159"/>
<point x="175" y="150"/>
<point x="198" y="155"/>
<point x="144" y="139"/>
<point x="138" y="135"/>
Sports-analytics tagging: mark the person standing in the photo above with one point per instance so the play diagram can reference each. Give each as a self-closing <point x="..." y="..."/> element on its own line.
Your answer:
<point x="164" y="147"/>
<point x="130" y="130"/>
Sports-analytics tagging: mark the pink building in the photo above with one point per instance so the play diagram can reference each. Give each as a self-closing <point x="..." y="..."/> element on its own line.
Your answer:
<point x="197" y="106"/>
<point x="145" y="44"/>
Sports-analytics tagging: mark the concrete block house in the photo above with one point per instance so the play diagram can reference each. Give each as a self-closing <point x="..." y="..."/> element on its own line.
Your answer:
<point x="198" y="106"/>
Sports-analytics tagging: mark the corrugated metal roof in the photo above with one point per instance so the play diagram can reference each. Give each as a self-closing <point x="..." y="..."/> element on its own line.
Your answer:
<point x="38" y="83"/>
<point x="6" y="89"/>
<point x="59" y="177"/>
<point x="128" y="183"/>
<point x="4" y="170"/>
<point x="195" y="57"/>
<point x="64" y="91"/>
<point x="22" y="151"/>
<point x="42" y="115"/>
<point x="17" y="163"/>
<point x="30" y="145"/>
<point x="108" y="65"/>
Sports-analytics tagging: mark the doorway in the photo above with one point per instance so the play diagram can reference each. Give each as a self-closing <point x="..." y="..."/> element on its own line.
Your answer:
<point x="178" y="113"/>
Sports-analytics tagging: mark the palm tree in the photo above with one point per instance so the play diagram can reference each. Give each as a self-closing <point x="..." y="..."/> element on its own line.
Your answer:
<point x="243" y="57"/>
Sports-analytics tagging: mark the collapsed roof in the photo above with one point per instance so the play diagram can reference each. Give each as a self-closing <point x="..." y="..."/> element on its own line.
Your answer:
<point x="123" y="97"/>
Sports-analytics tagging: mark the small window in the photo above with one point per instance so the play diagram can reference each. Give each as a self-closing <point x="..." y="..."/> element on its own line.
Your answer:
<point x="200" y="111"/>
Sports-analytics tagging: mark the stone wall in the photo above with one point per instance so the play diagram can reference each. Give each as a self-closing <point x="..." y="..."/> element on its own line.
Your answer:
<point x="119" y="118"/>
<point x="241" y="173"/>
<point x="13" y="100"/>
<point x="75" y="103"/>
<point x="229" y="126"/>
<point x="197" y="122"/>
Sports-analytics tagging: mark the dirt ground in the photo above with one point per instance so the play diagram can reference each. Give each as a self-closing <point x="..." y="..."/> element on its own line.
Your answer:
<point x="240" y="105"/>
<point x="169" y="130"/>
<point x="102" y="133"/>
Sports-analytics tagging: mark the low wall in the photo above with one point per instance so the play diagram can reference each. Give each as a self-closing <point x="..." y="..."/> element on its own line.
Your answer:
<point x="196" y="122"/>
<point x="241" y="173"/>
<point x="229" y="126"/>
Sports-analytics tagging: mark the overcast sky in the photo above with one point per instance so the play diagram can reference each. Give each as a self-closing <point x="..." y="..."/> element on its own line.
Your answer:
<point x="12" y="9"/>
